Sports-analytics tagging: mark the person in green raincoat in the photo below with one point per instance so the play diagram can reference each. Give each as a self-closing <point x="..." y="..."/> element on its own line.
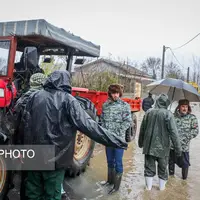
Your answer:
<point x="157" y="128"/>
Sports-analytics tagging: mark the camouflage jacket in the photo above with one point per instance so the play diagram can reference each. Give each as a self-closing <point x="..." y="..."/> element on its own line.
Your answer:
<point x="116" y="117"/>
<point x="187" y="128"/>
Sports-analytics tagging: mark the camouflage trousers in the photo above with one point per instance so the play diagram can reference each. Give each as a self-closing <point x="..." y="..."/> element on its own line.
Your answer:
<point x="150" y="166"/>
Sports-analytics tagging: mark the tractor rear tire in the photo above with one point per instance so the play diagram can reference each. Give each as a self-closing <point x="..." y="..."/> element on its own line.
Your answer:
<point x="5" y="177"/>
<point x="84" y="146"/>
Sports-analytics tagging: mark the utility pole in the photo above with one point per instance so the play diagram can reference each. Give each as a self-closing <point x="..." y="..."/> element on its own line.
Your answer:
<point x="163" y="62"/>
<point x="188" y="74"/>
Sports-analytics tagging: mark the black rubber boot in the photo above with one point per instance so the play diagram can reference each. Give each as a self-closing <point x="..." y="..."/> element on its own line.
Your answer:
<point x="111" y="176"/>
<point x="171" y="169"/>
<point x="22" y="187"/>
<point x="64" y="197"/>
<point x="117" y="183"/>
<point x="171" y="166"/>
<point x="184" y="173"/>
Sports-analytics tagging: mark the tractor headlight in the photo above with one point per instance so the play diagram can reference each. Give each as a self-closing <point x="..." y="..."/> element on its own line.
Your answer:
<point x="1" y="92"/>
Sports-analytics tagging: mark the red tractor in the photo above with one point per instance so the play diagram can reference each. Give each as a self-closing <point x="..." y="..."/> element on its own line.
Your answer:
<point x="26" y="41"/>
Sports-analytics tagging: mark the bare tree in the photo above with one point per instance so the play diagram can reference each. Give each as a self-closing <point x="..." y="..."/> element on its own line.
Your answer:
<point x="101" y="83"/>
<point x="152" y="66"/>
<point x="172" y="70"/>
<point x="195" y="70"/>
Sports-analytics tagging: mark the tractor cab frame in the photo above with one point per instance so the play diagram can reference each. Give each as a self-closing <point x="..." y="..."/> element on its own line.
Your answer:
<point x="32" y="39"/>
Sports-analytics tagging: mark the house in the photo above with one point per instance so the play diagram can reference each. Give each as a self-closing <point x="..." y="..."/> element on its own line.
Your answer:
<point x="132" y="78"/>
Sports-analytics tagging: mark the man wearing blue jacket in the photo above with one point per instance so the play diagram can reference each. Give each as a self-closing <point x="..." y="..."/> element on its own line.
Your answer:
<point x="147" y="103"/>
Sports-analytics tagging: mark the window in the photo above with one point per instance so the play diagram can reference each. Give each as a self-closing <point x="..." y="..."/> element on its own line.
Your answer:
<point x="4" y="57"/>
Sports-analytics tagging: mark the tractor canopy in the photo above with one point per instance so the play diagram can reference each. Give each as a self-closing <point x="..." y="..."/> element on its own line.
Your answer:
<point x="48" y="39"/>
<point x="43" y="35"/>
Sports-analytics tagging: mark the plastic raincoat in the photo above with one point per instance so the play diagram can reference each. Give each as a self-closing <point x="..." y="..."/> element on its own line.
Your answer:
<point x="157" y="127"/>
<point x="52" y="116"/>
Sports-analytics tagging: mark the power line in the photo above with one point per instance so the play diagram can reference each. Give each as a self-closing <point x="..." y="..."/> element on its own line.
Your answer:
<point x="176" y="58"/>
<point x="187" y="42"/>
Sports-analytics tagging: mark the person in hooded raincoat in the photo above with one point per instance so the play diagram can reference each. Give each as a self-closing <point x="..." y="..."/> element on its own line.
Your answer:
<point x="52" y="116"/>
<point x="116" y="117"/>
<point x="36" y="82"/>
<point x="157" y="128"/>
<point x="188" y="129"/>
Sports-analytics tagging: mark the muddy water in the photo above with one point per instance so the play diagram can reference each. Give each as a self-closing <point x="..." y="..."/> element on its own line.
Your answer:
<point x="88" y="187"/>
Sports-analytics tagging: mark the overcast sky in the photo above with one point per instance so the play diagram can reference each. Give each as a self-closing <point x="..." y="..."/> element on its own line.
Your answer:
<point x="124" y="28"/>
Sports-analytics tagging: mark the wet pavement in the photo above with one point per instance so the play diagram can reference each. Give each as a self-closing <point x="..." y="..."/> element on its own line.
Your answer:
<point x="87" y="186"/>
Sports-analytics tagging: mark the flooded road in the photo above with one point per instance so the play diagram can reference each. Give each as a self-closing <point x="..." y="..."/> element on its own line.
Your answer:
<point x="87" y="186"/>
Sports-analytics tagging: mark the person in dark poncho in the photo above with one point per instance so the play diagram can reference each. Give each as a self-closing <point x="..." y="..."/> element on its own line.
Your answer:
<point x="52" y="116"/>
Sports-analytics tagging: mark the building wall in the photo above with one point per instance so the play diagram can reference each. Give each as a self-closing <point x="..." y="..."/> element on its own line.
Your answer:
<point x="132" y="85"/>
<point x="138" y="89"/>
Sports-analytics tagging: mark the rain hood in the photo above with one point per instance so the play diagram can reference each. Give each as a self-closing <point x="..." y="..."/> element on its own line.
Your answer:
<point x="59" y="80"/>
<point x="162" y="101"/>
